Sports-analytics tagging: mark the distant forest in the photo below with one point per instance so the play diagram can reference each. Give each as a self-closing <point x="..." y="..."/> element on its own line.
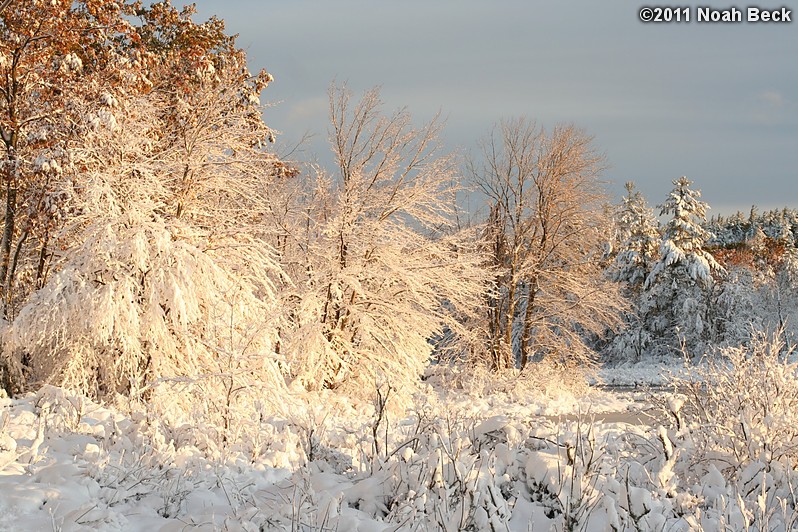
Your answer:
<point x="780" y="225"/>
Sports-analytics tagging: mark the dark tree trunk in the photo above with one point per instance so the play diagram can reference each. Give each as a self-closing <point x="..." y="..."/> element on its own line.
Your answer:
<point x="8" y="225"/>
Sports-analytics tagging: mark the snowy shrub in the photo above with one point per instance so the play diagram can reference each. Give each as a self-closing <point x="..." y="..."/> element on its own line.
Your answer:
<point x="443" y="467"/>
<point x="567" y="475"/>
<point x="744" y="401"/>
<point x="444" y="474"/>
<point x="735" y="426"/>
<point x="542" y="379"/>
<point x="631" y="344"/>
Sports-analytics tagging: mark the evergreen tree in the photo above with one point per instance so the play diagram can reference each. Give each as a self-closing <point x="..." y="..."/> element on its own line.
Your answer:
<point x="753" y="225"/>
<point x="640" y="242"/>
<point x="675" y="302"/>
<point x="639" y="249"/>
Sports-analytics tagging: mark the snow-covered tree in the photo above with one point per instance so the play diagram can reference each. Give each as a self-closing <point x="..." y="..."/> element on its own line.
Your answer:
<point x="778" y="293"/>
<point x="545" y="237"/>
<point x="779" y="224"/>
<point x="640" y="241"/>
<point x="737" y="306"/>
<point x="58" y="61"/>
<point x="784" y="227"/>
<point x="378" y="268"/>
<point x="164" y="283"/>
<point x="637" y="252"/>
<point x="757" y="290"/>
<point x="675" y="300"/>
<point x="141" y="295"/>
<point x="55" y="57"/>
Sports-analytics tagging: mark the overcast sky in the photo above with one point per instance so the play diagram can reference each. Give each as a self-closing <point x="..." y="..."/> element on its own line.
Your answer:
<point x="717" y="103"/>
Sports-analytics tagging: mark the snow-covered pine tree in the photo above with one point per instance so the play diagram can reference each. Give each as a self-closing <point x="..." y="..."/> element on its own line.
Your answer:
<point x="639" y="249"/>
<point x="675" y="300"/>
<point x="640" y="242"/>
<point x="784" y="228"/>
<point x="779" y="224"/>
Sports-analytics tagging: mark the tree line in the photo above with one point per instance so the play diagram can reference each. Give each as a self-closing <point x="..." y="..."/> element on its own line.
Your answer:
<point x="697" y="285"/>
<point x="154" y="247"/>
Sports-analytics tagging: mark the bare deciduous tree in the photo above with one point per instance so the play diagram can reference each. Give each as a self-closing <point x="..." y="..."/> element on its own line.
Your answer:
<point x="545" y="236"/>
<point x="384" y="268"/>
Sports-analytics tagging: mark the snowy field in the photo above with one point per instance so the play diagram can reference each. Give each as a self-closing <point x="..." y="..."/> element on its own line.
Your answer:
<point x="452" y="461"/>
<point x="69" y="464"/>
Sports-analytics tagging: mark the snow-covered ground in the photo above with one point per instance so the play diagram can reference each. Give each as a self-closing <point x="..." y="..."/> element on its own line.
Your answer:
<point x="452" y="461"/>
<point x="70" y="464"/>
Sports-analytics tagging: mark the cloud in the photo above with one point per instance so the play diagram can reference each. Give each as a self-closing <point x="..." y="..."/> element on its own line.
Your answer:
<point x="772" y="108"/>
<point x="773" y="98"/>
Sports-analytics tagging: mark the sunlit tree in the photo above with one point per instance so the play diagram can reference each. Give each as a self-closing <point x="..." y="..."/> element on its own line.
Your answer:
<point x="675" y="301"/>
<point x="545" y="236"/>
<point x="59" y="61"/>
<point x="164" y="279"/>
<point x="379" y="268"/>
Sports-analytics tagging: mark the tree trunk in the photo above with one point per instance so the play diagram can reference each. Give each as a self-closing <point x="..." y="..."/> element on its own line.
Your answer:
<point x="8" y="225"/>
<point x="13" y="269"/>
<point x="41" y="273"/>
<point x="507" y="351"/>
<point x="525" y="333"/>
<point x="494" y="328"/>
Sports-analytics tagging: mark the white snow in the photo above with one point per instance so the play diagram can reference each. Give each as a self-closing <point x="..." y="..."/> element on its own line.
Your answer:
<point x="453" y="460"/>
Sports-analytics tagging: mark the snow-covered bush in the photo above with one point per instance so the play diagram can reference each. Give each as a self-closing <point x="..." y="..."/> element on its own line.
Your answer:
<point x="735" y="430"/>
<point x="447" y="466"/>
<point x="542" y="379"/>
<point x="744" y="401"/>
